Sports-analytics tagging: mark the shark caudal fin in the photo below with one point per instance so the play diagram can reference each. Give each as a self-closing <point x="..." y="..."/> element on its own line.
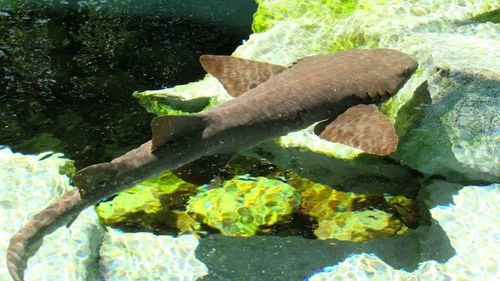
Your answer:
<point x="239" y="75"/>
<point x="171" y="127"/>
<point x="362" y="127"/>
<point x="26" y="241"/>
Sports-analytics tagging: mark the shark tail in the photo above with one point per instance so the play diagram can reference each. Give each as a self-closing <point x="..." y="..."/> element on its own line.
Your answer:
<point x="26" y="241"/>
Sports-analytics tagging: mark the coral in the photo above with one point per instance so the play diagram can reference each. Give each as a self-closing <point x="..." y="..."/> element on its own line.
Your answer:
<point x="245" y="205"/>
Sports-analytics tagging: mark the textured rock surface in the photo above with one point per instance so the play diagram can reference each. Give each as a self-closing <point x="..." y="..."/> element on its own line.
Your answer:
<point x="72" y="254"/>
<point x="471" y="224"/>
<point x="27" y="183"/>
<point x="244" y="206"/>
<point x="144" y="256"/>
<point x="354" y="217"/>
<point x="150" y="205"/>
<point x="458" y="135"/>
<point x="295" y="258"/>
<point x="292" y="31"/>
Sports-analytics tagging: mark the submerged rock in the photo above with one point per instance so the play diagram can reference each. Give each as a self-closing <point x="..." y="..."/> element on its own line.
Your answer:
<point x="144" y="256"/>
<point x="27" y="183"/>
<point x="471" y="224"/>
<point x="247" y="205"/>
<point x="85" y="250"/>
<point x="354" y="217"/>
<point x="358" y="226"/>
<point x="150" y="205"/>
<point x="458" y="134"/>
<point x="244" y="206"/>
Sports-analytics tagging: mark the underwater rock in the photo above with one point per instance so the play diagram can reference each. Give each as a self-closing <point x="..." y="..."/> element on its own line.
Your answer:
<point x="354" y="217"/>
<point x="27" y="183"/>
<point x="144" y="256"/>
<point x="148" y="206"/>
<point x="471" y="224"/>
<point x="458" y="133"/>
<point x="358" y="226"/>
<point x="244" y="206"/>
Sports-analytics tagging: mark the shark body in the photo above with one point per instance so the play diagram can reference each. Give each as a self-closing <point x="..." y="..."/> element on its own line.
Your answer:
<point x="271" y="101"/>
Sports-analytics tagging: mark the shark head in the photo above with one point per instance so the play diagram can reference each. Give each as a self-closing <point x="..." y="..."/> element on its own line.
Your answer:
<point x="395" y="63"/>
<point x="94" y="178"/>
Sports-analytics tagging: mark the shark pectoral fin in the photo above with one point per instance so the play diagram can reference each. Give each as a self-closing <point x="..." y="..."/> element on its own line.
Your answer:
<point x="239" y="75"/>
<point x="170" y="127"/>
<point x="363" y="127"/>
<point x="203" y="170"/>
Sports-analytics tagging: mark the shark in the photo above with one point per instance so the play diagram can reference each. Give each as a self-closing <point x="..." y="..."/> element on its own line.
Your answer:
<point x="337" y="93"/>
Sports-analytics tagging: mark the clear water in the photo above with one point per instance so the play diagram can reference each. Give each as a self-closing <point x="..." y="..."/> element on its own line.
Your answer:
<point x="68" y="69"/>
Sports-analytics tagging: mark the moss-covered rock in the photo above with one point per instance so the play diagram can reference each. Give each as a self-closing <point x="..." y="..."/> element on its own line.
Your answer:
<point x="358" y="226"/>
<point x="152" y="205"/>
<point x="244" y="206"/>
<point x="468" y="215"/>
<point x="354" y="217"/>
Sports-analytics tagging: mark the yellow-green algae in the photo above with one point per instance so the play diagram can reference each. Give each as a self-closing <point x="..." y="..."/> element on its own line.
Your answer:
<point x="244" y="206"/>
<point x="354" y="217"/>
<point x="170" y="105"/>
<point x="471" y="226"/>
<point x="271" y="12"/>
<point x="358" y="226"/>
<point x="156" y="201"/>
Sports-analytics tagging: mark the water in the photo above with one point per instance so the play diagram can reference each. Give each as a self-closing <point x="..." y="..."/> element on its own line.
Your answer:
<point x="68" y="68"/>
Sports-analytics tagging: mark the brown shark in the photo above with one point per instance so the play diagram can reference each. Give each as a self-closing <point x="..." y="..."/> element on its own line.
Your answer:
<point x="271" y="101"/>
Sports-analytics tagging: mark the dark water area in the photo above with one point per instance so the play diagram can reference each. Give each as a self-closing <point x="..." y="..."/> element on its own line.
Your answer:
<point x="68" y="68"/>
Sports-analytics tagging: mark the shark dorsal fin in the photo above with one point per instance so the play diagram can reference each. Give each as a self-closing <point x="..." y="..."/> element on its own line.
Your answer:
<point x="239" y="75"/>
<point x="362" y="127"/>
<point x="171" y="127"/>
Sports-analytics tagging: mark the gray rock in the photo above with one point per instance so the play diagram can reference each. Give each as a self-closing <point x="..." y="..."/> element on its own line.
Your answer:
<point x="458" y="135"/>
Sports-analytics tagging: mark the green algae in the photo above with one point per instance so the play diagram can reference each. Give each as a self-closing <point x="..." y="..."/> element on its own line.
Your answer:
<point x="244" y="206"/>
<point x="169" y="105"/>
<point x="248" y="205"/>
<point x="353" y="217"/>
<point x="152" y="203"/>
<point x="271" y="12"/>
